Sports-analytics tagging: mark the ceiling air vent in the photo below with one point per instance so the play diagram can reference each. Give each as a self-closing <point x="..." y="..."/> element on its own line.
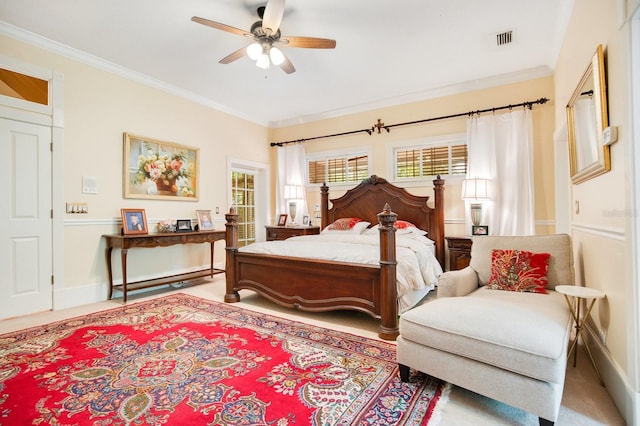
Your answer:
<point x="504" y="38"/>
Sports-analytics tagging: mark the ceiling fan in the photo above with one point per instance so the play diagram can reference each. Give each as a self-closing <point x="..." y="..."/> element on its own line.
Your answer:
<point x="265" y="34"/>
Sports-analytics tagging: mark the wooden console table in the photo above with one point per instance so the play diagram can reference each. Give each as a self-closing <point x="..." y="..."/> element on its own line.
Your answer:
<point x="125" y="242"/>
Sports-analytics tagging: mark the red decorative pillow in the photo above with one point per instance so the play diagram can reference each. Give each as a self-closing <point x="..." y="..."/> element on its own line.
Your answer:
<point x="403" y="224"/>
<point x="519" y="270"/>
<point x="344" y="224"/>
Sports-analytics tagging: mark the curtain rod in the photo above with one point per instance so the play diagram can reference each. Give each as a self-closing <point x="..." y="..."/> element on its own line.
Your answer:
<point x="380" y="125"/>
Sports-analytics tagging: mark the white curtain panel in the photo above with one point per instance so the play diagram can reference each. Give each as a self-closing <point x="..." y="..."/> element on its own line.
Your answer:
<point x="291" y="171"/>
<point x="500" y="148"/>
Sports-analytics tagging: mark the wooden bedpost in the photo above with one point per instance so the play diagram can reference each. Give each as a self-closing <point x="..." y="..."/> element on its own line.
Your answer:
<point x="231" y="240"/>
<point x="324" y="206"/>
<point x="438" y="190"/>
<point x="388" y="329"/>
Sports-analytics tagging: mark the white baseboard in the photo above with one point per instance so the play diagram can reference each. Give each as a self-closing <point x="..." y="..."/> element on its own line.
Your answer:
<point x="98" y="292"/>
<point x="626" y="399"/>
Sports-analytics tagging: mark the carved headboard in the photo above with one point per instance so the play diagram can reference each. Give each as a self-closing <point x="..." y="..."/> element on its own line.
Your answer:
<point x="367" y="199"/>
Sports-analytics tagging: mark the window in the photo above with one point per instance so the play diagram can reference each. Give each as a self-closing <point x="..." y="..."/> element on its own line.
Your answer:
<point x="243" y="193"/>
<point x="431" y="159"/>
<point x="337" y="168"/>
<point x="25" y="87"/>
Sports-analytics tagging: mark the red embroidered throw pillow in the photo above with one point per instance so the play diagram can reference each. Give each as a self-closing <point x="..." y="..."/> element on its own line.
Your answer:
<point x="403" y="224"/>
<point x="519" y="270"/>
<point x="344" y="224"/>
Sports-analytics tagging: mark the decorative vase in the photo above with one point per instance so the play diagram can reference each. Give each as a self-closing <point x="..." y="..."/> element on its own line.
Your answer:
<point x="167" y="187"/>
<point x="292" y="212"/>
<point x="476" y="214"/>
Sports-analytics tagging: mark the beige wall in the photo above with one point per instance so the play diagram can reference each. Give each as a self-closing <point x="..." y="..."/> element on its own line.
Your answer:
<point x="100" y="106"/>
<point x="598" y="228"/>
<point x="543" y="121"/>
<point x="602" y="230"/>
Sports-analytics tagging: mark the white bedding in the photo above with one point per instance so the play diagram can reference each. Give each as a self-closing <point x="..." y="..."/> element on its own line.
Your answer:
<point x="417" y="269"/>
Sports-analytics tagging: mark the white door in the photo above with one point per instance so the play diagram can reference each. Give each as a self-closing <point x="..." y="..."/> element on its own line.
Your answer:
<point x="25" y="219"/>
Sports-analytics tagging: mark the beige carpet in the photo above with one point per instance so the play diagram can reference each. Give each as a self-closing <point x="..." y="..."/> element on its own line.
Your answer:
<point x="584" y="402"/>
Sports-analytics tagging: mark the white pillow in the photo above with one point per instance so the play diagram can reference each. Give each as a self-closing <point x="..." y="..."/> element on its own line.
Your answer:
<point x="404" y="231"/>
<point x="372" y="231"/>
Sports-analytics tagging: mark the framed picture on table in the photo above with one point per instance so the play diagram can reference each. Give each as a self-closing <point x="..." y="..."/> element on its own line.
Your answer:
<point x="480" y="230"/>
<point x="134" y="221"/>
<point x="204" y="220"/>
<point x="183" y="225"/>
<point x="282" y="219"/>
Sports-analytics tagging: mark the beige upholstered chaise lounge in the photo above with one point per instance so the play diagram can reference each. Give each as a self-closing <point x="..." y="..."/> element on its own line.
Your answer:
<point x="509" y="346"/>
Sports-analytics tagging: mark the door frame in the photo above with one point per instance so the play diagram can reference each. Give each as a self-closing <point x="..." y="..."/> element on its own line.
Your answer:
<point x="262" y="194"/>
<point x="51" y="115"/>
<point x="633" y="290"/>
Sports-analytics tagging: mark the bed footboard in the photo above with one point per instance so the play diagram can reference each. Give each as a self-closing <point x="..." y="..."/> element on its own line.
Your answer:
<point x="319" y="285"/>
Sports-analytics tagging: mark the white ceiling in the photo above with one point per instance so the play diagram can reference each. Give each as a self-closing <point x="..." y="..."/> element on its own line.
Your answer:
<point x="387" y="52"/>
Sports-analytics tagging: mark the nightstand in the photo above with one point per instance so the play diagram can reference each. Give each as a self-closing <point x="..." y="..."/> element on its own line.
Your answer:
<point x="284" y="232"/>
<point x="459" y="252"/>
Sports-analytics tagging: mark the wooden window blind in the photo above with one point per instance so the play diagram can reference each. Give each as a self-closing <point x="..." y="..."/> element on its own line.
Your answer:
<point x="431" y="160"/>
<point x="338" y="169"/>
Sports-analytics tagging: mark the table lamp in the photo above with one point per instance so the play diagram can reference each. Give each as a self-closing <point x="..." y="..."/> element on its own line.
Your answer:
<point x="293" y="193"/>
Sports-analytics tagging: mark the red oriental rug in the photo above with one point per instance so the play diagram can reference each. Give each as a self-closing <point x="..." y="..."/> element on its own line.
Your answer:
<point x="185" y="360"/>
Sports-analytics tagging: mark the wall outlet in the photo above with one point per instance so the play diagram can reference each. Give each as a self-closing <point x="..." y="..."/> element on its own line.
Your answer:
<point x="603" y="337"/>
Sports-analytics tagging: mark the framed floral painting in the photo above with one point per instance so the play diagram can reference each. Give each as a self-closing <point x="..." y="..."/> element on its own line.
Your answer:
<point x="159" y="170"/>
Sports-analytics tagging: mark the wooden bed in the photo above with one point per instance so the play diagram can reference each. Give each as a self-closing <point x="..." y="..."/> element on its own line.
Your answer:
<point x="321" y="285"/>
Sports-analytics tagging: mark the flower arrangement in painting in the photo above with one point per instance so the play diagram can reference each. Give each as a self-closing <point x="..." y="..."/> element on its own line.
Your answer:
<point x="167" y="171"/>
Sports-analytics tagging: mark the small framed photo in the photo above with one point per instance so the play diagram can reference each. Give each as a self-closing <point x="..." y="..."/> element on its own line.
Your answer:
<point x="282" y="219"/>
<point x="134" y="221"/>
<point x="204" y="220"/>
<point x="480" y="230"/>
<point x="183" y="225"/>
<point x="305" y="220"/>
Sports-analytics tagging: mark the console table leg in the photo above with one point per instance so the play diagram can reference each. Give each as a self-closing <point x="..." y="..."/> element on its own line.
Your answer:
<point x="123" y="256"/>
<point x="212" y="243"/>
<point x="109" y="271"/>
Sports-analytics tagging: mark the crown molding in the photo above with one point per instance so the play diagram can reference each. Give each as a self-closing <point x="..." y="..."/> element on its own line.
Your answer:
<point x="104" y="65"/>
<point x="453" y="89"/>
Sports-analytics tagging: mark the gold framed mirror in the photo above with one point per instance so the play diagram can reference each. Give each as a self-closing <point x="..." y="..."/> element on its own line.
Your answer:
<point x="587" y="117"/>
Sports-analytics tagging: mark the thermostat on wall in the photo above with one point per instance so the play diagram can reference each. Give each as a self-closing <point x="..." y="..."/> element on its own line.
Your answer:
<point x="609" y="135"/>
<point x="89" y="185"/>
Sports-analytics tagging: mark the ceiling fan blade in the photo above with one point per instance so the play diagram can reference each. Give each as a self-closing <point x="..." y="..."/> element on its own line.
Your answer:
<point x="234" y="56"/>
<point x="272" y="16"/>
<point x="309" y="42"/>
<point x="287" y="65"/>
<point x="223" y="27"/>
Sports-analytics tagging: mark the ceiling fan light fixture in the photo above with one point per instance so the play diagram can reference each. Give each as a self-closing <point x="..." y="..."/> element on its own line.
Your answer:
<point x="276" y="55"/>
<point x="254" y="51"/>
<point x="263" y="61"/>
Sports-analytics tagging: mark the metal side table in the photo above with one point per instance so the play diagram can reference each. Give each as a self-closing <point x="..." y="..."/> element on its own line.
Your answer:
<point x="579" y="293"/>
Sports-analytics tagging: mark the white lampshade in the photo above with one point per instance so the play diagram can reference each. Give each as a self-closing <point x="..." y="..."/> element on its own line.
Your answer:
<point x="276" y="55"/>
<point x="254" y="51"/>
<point x="293" y="192"/>
<point x="475" y="189"/>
